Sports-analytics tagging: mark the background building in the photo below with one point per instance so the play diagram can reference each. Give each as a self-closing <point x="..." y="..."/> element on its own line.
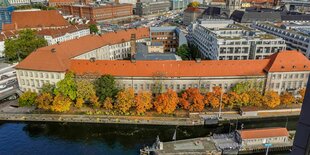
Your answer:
<point x="171" y="37"/>
<point x="99" y="12"/>
<point x="225" y="41"/>
<point x="191" y="14"/>
<point x="178" y="4"/>
<point x="5" y="13"/>
<point x="152" y="7"/>
<point x="296" y="37"/>
<point x="19" y="2"/>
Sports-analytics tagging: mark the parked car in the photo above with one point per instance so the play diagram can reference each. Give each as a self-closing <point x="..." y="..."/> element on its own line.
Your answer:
<point x="4" y="77"/>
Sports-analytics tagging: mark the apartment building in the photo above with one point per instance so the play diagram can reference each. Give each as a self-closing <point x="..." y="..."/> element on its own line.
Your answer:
<point x="99" y="12"/>
<point x="170" y="36"/>
<point x="54" y="36"/>
<point x="152" y="7"/>
<point x="49" y="64"/>
<point x="227" y="41"/>
<point x="191" y="14"/>
<point x="19" y="2"/>
<point x="178" y="4"/>
<point x="296" y="37"/>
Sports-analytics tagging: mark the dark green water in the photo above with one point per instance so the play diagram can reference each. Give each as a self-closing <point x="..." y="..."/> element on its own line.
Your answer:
<point x="104" y="139"/>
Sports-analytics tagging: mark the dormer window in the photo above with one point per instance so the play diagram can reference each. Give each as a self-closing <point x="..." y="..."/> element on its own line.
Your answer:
<point x="305" y="66"/>
<point x="294" y="66"/>
<point x="282" y="67"/>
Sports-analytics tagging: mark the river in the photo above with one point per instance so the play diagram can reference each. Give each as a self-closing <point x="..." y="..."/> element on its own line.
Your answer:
<point x="105" y="139"/>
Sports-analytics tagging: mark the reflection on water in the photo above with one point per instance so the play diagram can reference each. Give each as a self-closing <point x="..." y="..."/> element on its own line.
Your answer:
<point x="76" y="138"/>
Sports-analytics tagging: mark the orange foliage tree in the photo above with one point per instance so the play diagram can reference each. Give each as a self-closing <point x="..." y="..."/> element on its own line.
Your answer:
<point x="192" y="100"/>
<point x="255" y="98"/>
<point x="287" y="98"/>
<point x="213" y="98"/>
<point x="108" y="103"/>
<point x="143" y="102"/>
<point x="302" y="93"/>
<point x="79" y="103"/>
<point x="166" y="102"/>
<point x="125" y="100"/>
<point x="61" y="103"/>
<point x="271" y="99"/>
<point x="44" y="101"/>
<point x="95" y="101"/>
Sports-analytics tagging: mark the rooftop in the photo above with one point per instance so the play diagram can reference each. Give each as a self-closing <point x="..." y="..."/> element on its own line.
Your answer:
<point x="56" y="57"/>
<point x="263" y="133"/>
<point x="35" y="19"/>
<point x="60" y="32"/>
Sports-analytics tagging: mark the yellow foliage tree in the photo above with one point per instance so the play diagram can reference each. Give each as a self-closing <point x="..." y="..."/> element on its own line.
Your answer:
<point x="244" y="98"/>
<point x="125" y="100"/>
<point x="95" y="101"/>
<point x="108" y="103"/>
<point x="271" y="99"/>
<point x="166" y="102"/>
<point x="287" y="98"/>
<point x="194" y="4"/>
<point x="61" y="103"/>
<point x="79" y="103"/>
<point x="213" y="98"/>
<point x="44" y="101"/>
<point x="302" y="93"/>
<point x="143" y="102"/>
<point x="255" y="98"/>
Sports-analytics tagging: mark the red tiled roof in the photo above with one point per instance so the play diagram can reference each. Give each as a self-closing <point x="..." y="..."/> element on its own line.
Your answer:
<point x="170" y="68"/>
<point x="7" y="34"/>
<point x="61" y="1"/>
<point x="35" y="19"/>
<point x="60" y="32"/>
<point x="288" y="61"/>
<point x="263" y="133"/>
<point x="44" y="59"/>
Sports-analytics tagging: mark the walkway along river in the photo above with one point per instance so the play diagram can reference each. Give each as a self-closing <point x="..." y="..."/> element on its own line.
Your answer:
<point x="105" y="139"/>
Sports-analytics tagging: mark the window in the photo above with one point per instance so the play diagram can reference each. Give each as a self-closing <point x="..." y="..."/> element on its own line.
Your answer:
<point x="178" y="86"/>
<point x="302" y="76"/>
<point x="135" y="86"/>
<point x="184" y="86"/>
<point x="57" y="75"/>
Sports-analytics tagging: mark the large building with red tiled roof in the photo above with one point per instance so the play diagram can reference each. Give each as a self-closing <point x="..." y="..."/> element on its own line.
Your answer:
<point x="95" y="55"/>
<point x="38" y="20"/>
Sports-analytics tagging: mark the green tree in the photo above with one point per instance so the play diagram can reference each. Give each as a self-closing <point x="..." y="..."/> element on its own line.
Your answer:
<point x="85" y="89"/>
<point x="93" y="29"/>
<point x="20" y="47"/>
<point x="67" y="86"/>
<point x="28" y="98"/>
<point x="184" y="52"/>
<point x="105" y="87"/>
<point x="47" y="88"/>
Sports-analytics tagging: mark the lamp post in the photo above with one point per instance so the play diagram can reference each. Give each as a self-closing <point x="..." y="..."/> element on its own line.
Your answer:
<point x="220" y="110"/>
<point x="267" y="145"/>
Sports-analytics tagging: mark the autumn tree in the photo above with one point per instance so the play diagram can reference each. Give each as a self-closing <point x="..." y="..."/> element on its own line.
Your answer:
<point x="302" y="93"/>
<point x="271" y="99"/>
<point x="166" y="102"/>
<point x="234" y="99"/>
<point x="255" y="98"/>
<point x="61" y="103"/>
<point x="79" y="103"/>
<point x="27" y="99"/>
<point x="108" y="103"/>
<point x="184" y="52"/>
<point x="85" y="89"/>
<point x="213" y="98"/>
<point x="287" y="98"/>
<point x="105" y="87"/>
<point x="94" y="100"/>
<point x="194" y="4"/>
<point x="44" y="101"/>
<point x="192" y="100"/>
<point x="143" y="102"/>
<point x="125" y="100"/>
<point x="67" y="86"/>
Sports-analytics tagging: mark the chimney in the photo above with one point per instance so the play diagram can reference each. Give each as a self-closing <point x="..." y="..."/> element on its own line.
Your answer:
<point x="53" y="50"/>
<point x="132" y="45"/>
<point x="198" y="60"/>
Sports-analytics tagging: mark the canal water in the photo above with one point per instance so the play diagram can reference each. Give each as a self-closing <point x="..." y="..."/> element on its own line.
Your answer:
<point x="106" y="139"/>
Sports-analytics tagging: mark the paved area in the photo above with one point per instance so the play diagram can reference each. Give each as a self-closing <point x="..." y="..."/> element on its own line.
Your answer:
<point x="190" y="146"/>
<point x="12" y="107"/>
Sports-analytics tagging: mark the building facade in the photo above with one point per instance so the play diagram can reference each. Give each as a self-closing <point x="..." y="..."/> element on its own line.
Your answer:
<point x="178" y="4"/>
<point x="171" y="37"/>
<point x="6" y="14"/>
<point x="233" y="41"/>
<point x="99" y="12"/>
<point x="191" y="14"/>
<point x="152" y="7"/>
<point x="295" y="39"/>
<point x="54" y="36"/>
<point x="19" y="2"/>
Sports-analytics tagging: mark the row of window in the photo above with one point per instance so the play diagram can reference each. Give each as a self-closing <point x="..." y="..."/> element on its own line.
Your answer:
<point x="39" y="74"/>
<point x="290" y="76"/>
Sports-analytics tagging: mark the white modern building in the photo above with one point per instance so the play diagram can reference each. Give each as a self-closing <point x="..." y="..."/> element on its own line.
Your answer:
<point x="296" y="36"/>
<point x="19" y="2"/>
<point x="222" y="40"/>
